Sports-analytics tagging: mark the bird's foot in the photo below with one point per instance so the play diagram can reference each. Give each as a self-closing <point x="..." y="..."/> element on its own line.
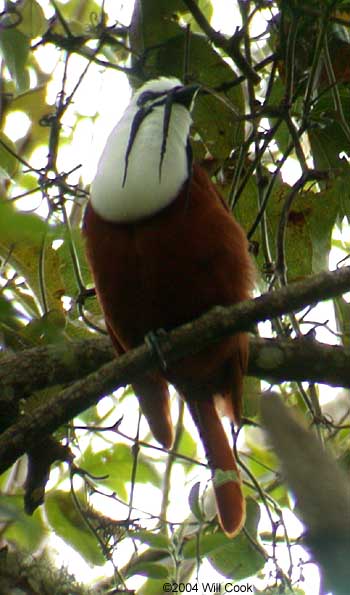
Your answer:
<point x="153" y="340"/>
<point x="84" y="295"/>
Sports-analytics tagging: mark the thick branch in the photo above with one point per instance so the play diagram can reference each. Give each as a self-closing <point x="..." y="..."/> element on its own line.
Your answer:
<point x="189" y="338"/>
<point x="299" y="360"/>
<point x="29" y="370"/>
<point x="274" y="360"/>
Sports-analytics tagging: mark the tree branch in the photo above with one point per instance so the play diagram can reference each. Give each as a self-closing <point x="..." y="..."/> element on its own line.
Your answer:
<point x="26" y="371"/>
<point x="274" y="360"/>
<point x="299" y="360"/>
<point x="189" y="338"/>
<point x="230" y="46"/>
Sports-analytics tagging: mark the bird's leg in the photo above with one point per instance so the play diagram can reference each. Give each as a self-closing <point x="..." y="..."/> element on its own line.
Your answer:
<point x="84" y="294"/>
<point x="153" y="340"/>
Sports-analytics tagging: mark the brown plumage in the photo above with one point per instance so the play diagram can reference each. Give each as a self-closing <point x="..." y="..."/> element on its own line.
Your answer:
<point x="163" y="271"/>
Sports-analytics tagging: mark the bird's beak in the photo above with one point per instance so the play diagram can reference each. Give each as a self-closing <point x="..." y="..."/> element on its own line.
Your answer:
<point x="184" y="95"/>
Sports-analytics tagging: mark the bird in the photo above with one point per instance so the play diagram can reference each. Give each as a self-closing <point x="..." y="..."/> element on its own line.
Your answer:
<point x="163" y="248"/>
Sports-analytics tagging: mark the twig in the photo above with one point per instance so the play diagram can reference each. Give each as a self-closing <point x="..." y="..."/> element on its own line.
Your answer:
<point x="230" y="46"/>
<point x="170" y="463"/>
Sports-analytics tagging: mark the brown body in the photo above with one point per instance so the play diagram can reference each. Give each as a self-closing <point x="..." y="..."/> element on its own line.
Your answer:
<point x="161" y="272"/>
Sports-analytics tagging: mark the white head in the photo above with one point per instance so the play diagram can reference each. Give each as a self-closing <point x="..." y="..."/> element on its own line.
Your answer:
<point x="160" y="85"/>
<point x="143" y="165"/>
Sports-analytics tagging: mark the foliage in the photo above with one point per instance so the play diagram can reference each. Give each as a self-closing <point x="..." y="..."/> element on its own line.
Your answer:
<point x="279" y="103"/>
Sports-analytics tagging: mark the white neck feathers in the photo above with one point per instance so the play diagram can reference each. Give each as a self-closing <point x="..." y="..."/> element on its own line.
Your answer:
<point x="145" y="189"/>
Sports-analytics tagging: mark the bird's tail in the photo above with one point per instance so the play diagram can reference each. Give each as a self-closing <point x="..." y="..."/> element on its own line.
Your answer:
<point x="153" y="395"/>
<point x="226" y="479"/>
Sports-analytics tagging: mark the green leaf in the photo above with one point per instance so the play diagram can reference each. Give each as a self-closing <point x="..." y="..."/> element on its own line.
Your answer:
<point x="154" y="540"/>
<point x="18" y="226"/>
<point x="115" y="465"/>
<point x="324" y="209"/>
<point x="26" y="299"/>
<point x="282" y="134"/>
<point x="7" y="311"/>
<point x="66" y="262"/>
<point x="327" y="137"/>
<point x="188" y="447"/>
<point x="26" y="531"/>
<point x="8" y="162"/>
<point x="33" y="22"/>
<point x="262" y="458"/>
<point x="14" y="48"/>
<point x="21" y="242"/>
<point x="309" y="227"/>
<point x="158" y="13"/>
<point x="149" y="569"/>
<point x="203" y="546"/>
<point x="233" y="558"/>
<point x="76" y="328"/>
<point x="206" y="7"/>
<point x="12" y="328"/>
<point x="68" y="523"/>
<point x="151" y="587"/>
<point x="214" y="117"/>
<point x="193" y="500"/>
<point x="81" y="13"/>
<point x="33" y="103"/>
<point x="342" y="316"/>
<point x="238" y="558"/>
<point x="252" y="396"/>
<point x="341" y="186"/>
<point x="48" y="329"/>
